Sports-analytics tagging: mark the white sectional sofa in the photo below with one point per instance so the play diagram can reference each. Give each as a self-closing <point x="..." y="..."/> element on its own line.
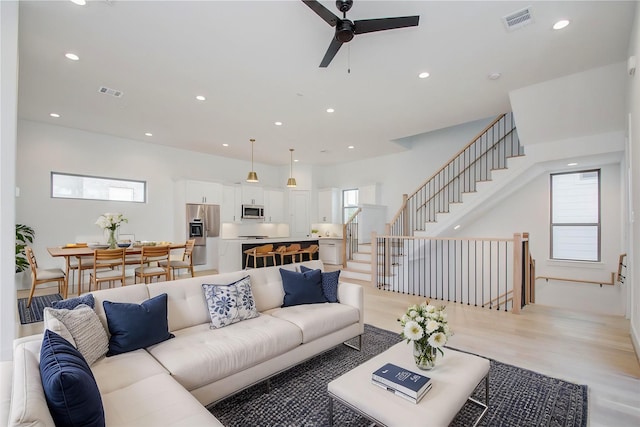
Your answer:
<point x="169" y="383"/>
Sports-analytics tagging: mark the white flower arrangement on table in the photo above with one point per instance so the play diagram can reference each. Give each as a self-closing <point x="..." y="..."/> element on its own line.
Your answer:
<point x="426" y="325"/>
<point x="111" y="221"/>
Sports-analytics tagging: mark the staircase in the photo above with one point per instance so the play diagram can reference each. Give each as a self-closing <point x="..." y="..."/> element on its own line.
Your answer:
<point x="359" y="267"/>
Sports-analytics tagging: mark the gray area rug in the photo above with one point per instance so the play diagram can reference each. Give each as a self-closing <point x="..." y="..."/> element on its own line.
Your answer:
<point x="298" y="397"/>
<point x="35" y="311"/>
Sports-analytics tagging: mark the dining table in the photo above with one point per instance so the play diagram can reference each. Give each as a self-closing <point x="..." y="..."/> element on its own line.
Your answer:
<point x="81" y="251"/>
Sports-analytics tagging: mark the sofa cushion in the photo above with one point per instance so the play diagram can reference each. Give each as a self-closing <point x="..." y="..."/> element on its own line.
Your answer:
<point x="82" y="323"/>
<point x="123" y="370"/>
<point x="72" y="303"/>
<point x="198" y="356"/>
<point x="230" y="303"/>
<point x="329" y="283"/>
<point x="134" y="326"/>
<point x="155" y="401"/>
<point x="131" y="294"/>
<point x="302" y="288"/>
<point x="266" y="285"/>
<point x="69" y="386"/>
<point x="317" y="320"/>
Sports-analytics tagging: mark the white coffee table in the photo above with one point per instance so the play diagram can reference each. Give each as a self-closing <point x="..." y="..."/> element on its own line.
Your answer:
<point x="454" y="378"/>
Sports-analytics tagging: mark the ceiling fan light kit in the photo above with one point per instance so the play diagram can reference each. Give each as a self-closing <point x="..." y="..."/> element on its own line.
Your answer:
<point x="346" y="29"/>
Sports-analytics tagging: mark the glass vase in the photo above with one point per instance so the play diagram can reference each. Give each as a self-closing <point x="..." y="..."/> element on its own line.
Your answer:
<point x="424" y="355"/>
<point x="113" y="240"/>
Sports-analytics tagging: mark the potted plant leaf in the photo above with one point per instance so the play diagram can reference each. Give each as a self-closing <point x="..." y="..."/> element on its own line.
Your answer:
<point x="24" y="236"/>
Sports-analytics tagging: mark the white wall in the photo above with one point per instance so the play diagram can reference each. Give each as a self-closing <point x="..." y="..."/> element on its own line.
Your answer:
<point x="8" y="114"/>
<point x="43" y="148"/>
<point x="633" y="102"/>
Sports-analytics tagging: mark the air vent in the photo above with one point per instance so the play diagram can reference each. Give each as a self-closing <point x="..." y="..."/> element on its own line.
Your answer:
<point x="112" y="92"/>
<point x="518" y="19"/>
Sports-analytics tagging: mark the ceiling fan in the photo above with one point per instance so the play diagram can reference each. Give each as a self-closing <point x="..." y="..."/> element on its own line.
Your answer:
<point x="346" y="30"/>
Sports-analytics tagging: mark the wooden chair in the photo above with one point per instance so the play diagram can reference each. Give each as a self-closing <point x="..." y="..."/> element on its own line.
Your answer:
<point x="44" y="275"/>
<point x="310" y="250"/>
<point x="108" y="266"/>
<point x="185" y="263"/>
<point x="149" y="256"/>
<point x="81" y="264"/>
<point x="264" y="251"/>
<point x="292" y="250"/>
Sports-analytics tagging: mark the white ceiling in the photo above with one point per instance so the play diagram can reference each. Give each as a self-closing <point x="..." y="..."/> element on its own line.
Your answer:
<point x="257" y="63"/>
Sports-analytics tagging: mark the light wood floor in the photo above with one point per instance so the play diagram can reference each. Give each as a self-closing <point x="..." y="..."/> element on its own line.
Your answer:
<point x="583" y="348"/>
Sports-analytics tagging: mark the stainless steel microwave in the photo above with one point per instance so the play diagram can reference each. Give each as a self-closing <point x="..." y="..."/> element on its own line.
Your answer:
<point x="253" y="211"/>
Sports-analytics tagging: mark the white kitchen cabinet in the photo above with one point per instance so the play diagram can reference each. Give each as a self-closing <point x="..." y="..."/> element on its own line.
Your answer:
<point x="252" y="195"/>
<point x="203" y="192"/>
<point x="331" y="251"/>
<point x="230" y="208"/>
<point x="274" y="206"/>
<point x="329" y="206"/>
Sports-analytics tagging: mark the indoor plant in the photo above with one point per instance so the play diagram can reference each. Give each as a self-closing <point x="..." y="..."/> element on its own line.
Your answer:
<point x="426" y="325"/>
<point x="24" y="236"/>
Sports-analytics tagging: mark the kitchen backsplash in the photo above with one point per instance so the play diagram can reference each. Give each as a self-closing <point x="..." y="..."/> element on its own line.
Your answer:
<point x="230" y="230"/>
<point x="327" y="230"/>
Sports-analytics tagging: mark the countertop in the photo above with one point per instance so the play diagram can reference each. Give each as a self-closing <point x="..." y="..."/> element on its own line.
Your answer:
<point x="271" y="240"/>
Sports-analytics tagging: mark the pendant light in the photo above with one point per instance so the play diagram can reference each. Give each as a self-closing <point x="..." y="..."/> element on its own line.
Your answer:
<point x="291" y="182"/>
<point x="253" y="176"/>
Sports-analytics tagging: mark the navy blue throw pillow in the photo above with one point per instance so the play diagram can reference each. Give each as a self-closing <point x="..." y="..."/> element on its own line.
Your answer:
<point x="302" y="288"/>
<point x="72" y="303"/>
<point x="329" y="283"/>
<point x="134" y="326"/>
<point x="71" y="391"/>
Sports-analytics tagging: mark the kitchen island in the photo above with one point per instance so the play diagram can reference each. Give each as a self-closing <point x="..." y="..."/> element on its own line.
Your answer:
<point x="232" y="256"/>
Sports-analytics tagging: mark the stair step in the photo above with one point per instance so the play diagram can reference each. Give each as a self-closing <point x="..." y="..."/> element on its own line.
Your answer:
<point x="359" y="265"/>
<point x="354" y="274"/>
<point x="359" y="256"/>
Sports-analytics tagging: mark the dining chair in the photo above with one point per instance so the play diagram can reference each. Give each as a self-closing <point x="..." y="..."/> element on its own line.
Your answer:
<point x="185" y="263"/>
<point x="108" y="266"/>
<point x="44" y="275"/>
<point x="310" y="250"/>
<point x="150" y="259"/>
<point x="264" y="252"/>
<point x="80" y="264"/>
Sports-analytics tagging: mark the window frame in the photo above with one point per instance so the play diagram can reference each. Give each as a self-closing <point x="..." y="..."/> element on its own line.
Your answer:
<point x="345" y="218"/>
<point x="597" y="224"/>
<point x="124" y="180"/>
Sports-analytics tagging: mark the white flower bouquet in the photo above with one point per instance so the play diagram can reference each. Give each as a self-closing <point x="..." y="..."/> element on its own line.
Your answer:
<point x="427" y="327"/>
<point x="111" y="221"/>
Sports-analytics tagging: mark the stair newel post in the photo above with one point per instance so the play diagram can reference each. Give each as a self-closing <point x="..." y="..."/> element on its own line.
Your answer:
<point x="517" y="273"/>
<point x="526" y="260"/>
<point x="344" y="245"/>
<point x="405" y="216"/>
<point x="374" y="258"/>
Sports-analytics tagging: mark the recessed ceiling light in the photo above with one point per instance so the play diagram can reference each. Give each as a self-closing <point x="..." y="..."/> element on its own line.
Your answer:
<point x="200" y="98"/>
<point x="71" y="56"/>
<point x="225" y="145"/>
<point x="572" y="164"/>
<point x="423" y="75"/>
<point x="330" y="110"/>
<point x="79" y="2"/>
<point x="456" y="227"/>
<point x="351" y="147"/>
<point x="56" y="115"/>
<point x="561" y="24"/>
<point x="278" y="123"/>
<point x="494" y="76"/>
<point x="148" y="134"/>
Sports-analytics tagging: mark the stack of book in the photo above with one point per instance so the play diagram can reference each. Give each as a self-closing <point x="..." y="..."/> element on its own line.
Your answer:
<point x="402" y="382"/>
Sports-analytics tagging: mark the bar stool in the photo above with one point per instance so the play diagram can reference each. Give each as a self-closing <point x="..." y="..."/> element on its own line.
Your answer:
<point x="263" y="252"/>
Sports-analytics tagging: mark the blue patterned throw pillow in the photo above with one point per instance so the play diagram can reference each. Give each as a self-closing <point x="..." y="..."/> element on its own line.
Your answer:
<point x="72" y="303"/>
<point x="329" y="283"/>
<point x="230" y="303"/>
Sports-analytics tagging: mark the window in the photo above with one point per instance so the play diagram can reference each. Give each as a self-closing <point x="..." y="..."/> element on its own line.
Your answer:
<point x="69" y="186"/>
<point x="349" y="203"/>
<point x="575" y="216"/>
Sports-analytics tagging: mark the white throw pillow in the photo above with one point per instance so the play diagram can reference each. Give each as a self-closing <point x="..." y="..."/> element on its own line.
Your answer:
<point x="230" y="303"/>
<point x="84" y="326"/>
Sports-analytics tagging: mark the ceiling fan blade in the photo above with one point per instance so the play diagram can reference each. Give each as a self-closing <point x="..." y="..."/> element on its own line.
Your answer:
<point x="371" y="25"/>
<point x="331" y="52"/>
<point x="322" y="12"/>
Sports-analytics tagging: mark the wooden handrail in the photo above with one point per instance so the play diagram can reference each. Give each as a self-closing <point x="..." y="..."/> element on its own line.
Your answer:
<point x="344" y="236"/>
<point x="425" y="182"/>
<point x="612" y="282"/>
<point x="496" y="299"/>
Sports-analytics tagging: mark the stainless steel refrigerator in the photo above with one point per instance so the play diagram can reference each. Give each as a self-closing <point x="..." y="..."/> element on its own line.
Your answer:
<point x="203" y="223"/>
